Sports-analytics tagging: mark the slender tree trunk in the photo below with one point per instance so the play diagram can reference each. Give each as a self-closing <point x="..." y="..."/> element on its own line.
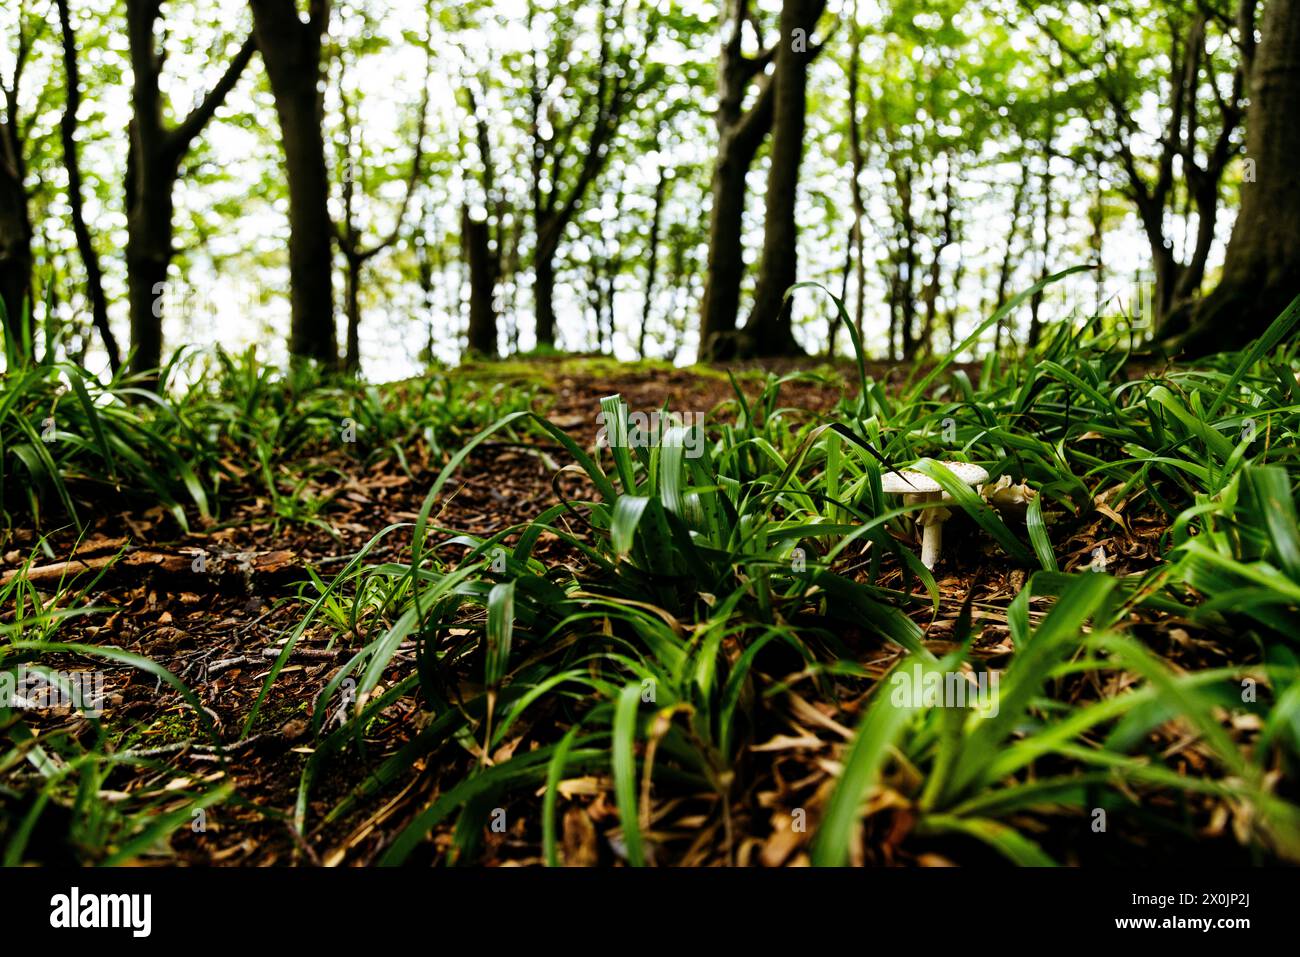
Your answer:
<point x="857" y="160"/>
<point x="1036" y="301"/>
<point x="930" y="294"/>
<point x="85" y="245"/>
<point x="652" y="260"/>
<point x="906" y="267"/>
<point x="1004" y="272"/>
<point x="1097" y="216"/>
<point x="726" y="265"/>
<point x="769" y="330"/>
<point x="353" y="266"/>
<point x="291" y="51"/>
<point x="553" y="206"/>
<point x="1261" y="268"/>
<point x="957" y="276"/>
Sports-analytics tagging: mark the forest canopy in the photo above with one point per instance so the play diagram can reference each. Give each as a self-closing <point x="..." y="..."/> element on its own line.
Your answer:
<point x="640" y="179"/>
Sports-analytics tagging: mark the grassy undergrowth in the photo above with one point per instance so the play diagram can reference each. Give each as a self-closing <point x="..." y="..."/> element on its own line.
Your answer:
<point x="747" y="590"/>
<point x="218" y="426"/>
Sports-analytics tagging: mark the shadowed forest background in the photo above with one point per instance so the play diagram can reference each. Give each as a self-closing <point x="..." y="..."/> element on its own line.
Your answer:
<point x="623" y="433"/>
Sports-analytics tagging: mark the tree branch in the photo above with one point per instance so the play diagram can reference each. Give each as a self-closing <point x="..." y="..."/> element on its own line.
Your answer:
<point x="192" y="125"/>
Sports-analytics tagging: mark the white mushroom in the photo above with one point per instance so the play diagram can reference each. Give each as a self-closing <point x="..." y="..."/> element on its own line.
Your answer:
<point x="917" y="488"/>
<point x="1007" y="498"/>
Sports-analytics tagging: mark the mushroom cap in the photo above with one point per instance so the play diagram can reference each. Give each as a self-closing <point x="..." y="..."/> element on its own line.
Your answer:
<point x="909" y="481"/>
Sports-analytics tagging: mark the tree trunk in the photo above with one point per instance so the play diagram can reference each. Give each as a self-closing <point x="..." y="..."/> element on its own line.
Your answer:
<point x="857" y="161"/>
<point x="652" y="260"/>
<point x="1036" y="301"/>
<point x="475" y="239"/>
<point x="906" y="263"/>
<point x="85" y="245"/>
<point x="153" y="164"/>
<point x="553" y="206"/>
<point x="1004" y="271"/>
<point x="544" y="287"/>
<point x="930" y="293"/>
<point x="15" y="237"/>
<point x="1261" y="268"/>
<point x="15" y="221"/>
<point x="352" y="310"/>
<point x="740" y="133"/>
<point x="768" y="330"/>
<point x="148" y="254"/>
<point x="291" y="51"/>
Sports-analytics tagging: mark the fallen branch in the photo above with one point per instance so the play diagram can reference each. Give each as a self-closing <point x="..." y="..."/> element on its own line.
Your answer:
<point x="197" y="563"/>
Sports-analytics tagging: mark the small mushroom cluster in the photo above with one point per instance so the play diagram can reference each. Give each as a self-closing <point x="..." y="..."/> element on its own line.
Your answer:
<point x="917" y="488"/>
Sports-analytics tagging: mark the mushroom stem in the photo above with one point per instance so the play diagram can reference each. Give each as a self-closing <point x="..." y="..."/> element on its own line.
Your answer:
<point x="931" y="543"/>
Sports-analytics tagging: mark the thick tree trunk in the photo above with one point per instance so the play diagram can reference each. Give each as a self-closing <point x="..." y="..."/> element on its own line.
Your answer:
<point x="740" y="133"/>
<point x="153" y="163"/>
<point x="768" y="330"/>
<point x="15" y="231"/>
<point x="476" y="243"/>
<point x="1261" y="268"/>
<point x="148" y="254"/>
<point x="544" y="295"/>
<point x="15" y="252"/>
<point x="291" y="50"/>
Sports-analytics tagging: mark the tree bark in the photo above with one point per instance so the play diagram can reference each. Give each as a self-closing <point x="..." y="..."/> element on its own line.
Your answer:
<point x="554" y="207"/>
<point x="15" y="235"/>
<point x="652" y="259"/>
<point x="1261" y="268"/>
<point x="153" y="164"/>
<point x="291" y="51"/>
<point x="1004" y="271"/>
<point x="741" y="132"/>
<point x="476" y="242"/>
<point x="769" y="331"/>
<point x="930" y="293"/>
<point x="15" y="219"/>
<point x="85" y="245"/>
<point x="857" y="161"/>
<point x="1045" y="251"/>
<point x="483" y="259"/>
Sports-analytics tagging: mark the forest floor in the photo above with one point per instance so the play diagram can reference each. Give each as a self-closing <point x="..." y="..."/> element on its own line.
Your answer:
<point x="220" y="624"/>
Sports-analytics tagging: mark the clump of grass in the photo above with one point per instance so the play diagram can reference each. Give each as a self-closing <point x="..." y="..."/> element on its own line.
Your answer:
<point x="69" y="441"/>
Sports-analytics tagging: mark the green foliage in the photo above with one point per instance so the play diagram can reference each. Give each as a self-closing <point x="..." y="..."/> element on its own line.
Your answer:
<point x="647" y="663"/>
